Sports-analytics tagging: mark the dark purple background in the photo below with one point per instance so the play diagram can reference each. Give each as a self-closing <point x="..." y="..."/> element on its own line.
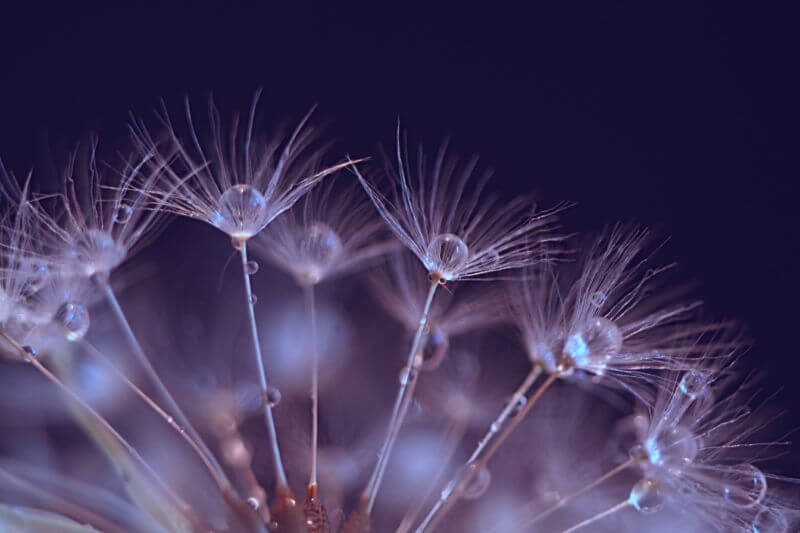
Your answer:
<point x="680" y="117"/>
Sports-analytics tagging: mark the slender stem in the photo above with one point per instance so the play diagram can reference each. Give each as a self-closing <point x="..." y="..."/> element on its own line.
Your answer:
<point x="568" y="498"/>
<point x="221" y="481"/>
<point x="513" y="403"/>
<point x="398" y="412"/>
<point x="162" y="390"/>
<point x="280" y="473"/>
<point x="72" y="395"/>
<point x="599" y="516"/>
<point x="449" y="497"/>
<point x="312" y="317"/>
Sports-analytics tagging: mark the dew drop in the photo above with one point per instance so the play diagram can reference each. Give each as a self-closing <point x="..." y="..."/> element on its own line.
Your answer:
<point x="446" y="255"/>
<point x="694" y="383"/>
<point x="598" y="299"/>
<point x="594" y="345"/>
<point x="272" y="396"/>
<point x="519" y="405"/>
<point x="241" y="212"/>
<point x="253" y="503"/>
<point x="770" y="521"/>
<point x="407" y="375"/>
<point x="434" y="349"/>
<point x="744" y="485"/>
<point x="29" y="350"/>
<point x="252" y="267"/>
<point x="73" y="319"/>
<point x="673" y="448"/>
<point x="646" y="496"/>
<point x="123" y="214"/>
<point x="478" y="485"/>
<point x="253" y="299"/>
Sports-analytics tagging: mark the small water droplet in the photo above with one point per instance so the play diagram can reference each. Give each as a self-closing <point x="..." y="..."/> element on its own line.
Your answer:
<point x="407" y="375"/>
<point x="253" y="503"/>
<point x="272" y="396"/>
<point x="73" y="318"/>
<point x="445" y="255"/>
<point x="770" y="521"/>
<point x="252" y="267"/>
<point x="519" y="405"/>
<point x="253" y="299"/>
<point x="646" y="496"/>
<point x="598" y="299"/>
<point x="694" y="383"/>
<point x="434" y="349"/>
<point x="744" y="485"/>
<point x="478" y="485"/>
<point x="123" y="214"/>
<point x="29" y="350"/>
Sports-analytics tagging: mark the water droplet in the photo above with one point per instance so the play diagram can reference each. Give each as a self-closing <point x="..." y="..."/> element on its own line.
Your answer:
<point x="73" y="319"/>
<point x="123" y="214"/>
<point x="598" y="299"/>
<point x="446" y="255"/>
<point x="241" y="212"/>
<point x="407" y="375"/>
<point x="695" y="383"/>
<point x="253" y="299"/>
<point x="434" y="349"/>
<point x="519" y="405"/>
<point x="646" y="496"/>
<point x="29" y="350"/>
<point x="252" y="267"/>
<point x="320" y="247"/>
<point x="744" y="485"/>
<point x="594" y="345"/>
<point x="478" y="485"/>
<point x="673" y="448"/>
<point x="272" y="396"/>
<point x="253" y="502"/>
<point x="770" y="521"/>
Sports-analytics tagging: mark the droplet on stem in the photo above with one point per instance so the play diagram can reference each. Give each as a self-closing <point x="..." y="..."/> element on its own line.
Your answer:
<point x="252" y="267"/>
<point x="272" y="396"/>
<point x="434" y="349"/>
<point x="241" y="212"/>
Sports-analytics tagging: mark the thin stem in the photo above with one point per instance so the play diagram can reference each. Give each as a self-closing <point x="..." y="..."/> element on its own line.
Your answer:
<point x="312" y="318"/>
<point x="568" y="498"/>
<point x="221" y="481"/>
<point x="280" y="473"/>
<point x="72" y="395"/>
<point x="398" y="412"/>
<point x="162" y="390"/>
<point x="599" y="516"/>
<point x="449" y="497"/>
<point x="512" y="404"/>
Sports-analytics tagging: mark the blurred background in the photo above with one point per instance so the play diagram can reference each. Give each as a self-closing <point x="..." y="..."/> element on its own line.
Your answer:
<point x="682" y="117"/>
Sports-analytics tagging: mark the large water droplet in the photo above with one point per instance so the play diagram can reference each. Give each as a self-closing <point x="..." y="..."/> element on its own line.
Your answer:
<point x="646" y="496"/>
<point x="673" y="448"/>
<point x="241" y="212"/>
<point x="252" y="267"/>
<point x="695" y="383"/>
<point x="434" y="349"/>
<point x="594" y="345"/>
<point x="744" y="485"/>
<point x="770" y="521"/>
<point x="446" y="255"/>
<point x="123" y="214"/>
<point x="73" y="319"/>
<point x="272" y="396"/>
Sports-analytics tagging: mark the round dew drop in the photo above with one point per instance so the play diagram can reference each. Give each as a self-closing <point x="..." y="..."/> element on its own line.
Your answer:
<point x="594" y="345"/>
<point x="253" y="502"/>
<point x="744" y="485"/>
<point x="673" y="448"/>
<point x="407" y="375"/>
<point x="241" y="212"/>
<point x="446" y="255"/>
<point x="434" y="349"/>
<point x="73" y="319"/>
<point x="770" y="521"/>
<point x="252" y="267"/>
<point x="123" y="214"/>
<point x="646" y="496"/>
<point x="478" y="485"/>
<point x="272" y="396"/>
<point x="694" y="383"/>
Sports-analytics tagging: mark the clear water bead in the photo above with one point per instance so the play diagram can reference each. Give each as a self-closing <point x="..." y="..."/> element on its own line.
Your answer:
<point x="594" y="345"/>
<point x="241" y="212"/>
<point x="446" y="255"/>
<point x="272" y="396"/>
<point x="73" y="319"/>
<point x="434" y="349"/>
<point x="29" y="350"/>
<point x="770" y="521"/>
<point x="478" y="485"/>
<point x="252" y="267"/>
<point x="598" y="299"/>
<point x="253" y="299"/>
<point x="123" y="214"/>
<point x="673" y="448"/>
<point x="646" y="496"/>
<point x="406" y="375"/>
<point x="253" y="503"/>
<point x="695" y="383"/>
<point x="744" y="485"/>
